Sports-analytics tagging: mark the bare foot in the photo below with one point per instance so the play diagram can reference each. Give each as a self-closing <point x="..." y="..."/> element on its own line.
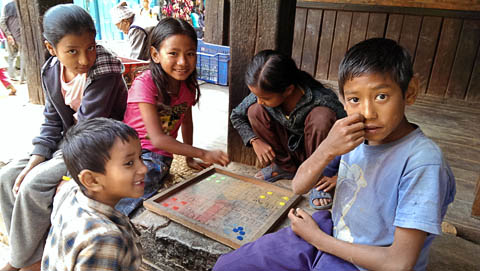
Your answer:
<point x="12" y="90"/>
<point x="8" y="267"/>
<point x="34" y="267"/>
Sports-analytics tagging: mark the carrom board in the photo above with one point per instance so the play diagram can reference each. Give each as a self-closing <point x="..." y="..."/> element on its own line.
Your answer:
<point x="227" y="207"/>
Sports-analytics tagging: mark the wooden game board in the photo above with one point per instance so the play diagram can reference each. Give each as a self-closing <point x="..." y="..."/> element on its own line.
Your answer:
<point x="227" y="207"/>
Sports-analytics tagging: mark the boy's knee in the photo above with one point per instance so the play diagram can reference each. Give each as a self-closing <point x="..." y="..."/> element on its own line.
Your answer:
<point x="8" y="175"/>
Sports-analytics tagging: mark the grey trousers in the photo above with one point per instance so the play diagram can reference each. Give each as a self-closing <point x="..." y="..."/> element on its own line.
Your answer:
<point x="27" y="216"/>
<point x="13" y="51"/>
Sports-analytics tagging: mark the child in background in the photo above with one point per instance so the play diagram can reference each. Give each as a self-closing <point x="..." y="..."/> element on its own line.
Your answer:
<point x="3" y="68"/>
<point x="160" y="101"/>
<point x="80" y="81"/>
<point x="6" y="83"/>
<point x="87" y="233"/>
<point x="147" y="12"/>
<point x="285" y="117"/>
<point x="393" y="187"/>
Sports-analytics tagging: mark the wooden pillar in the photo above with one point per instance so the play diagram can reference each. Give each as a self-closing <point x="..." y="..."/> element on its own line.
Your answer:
<point x="254" y="26"/>
<point x="217" y="15"/>
<point x="476" y="201"/>
<point x="30" y="13"/>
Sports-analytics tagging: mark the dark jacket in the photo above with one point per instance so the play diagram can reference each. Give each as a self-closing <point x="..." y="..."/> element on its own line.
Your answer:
<point x="105" y="95"/>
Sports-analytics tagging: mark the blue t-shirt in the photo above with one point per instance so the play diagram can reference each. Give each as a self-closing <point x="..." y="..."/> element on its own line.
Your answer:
<point x="406" y="183"/>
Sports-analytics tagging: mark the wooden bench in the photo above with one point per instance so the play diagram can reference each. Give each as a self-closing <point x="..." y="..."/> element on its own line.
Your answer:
<point x="476" y="201"/>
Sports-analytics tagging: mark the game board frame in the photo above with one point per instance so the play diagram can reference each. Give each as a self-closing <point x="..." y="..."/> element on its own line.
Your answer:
<point x="153" y="205"/>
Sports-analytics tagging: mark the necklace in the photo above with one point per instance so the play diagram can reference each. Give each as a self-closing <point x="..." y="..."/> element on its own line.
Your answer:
<point x="287" y="116"/>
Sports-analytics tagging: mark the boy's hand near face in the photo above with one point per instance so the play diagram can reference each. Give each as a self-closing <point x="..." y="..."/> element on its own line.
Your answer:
<point x="346" y="134"/>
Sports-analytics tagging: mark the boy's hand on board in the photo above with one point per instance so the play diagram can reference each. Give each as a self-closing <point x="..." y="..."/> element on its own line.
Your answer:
<point x="304" y="226"/>
<point x="216" y="157"/>
<point x="264" y="151"/>
<point x="346" y="134"/>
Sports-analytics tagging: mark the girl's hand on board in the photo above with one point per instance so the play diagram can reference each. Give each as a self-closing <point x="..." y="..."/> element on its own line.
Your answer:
<point x="304" y="226"/>
<point x="195" y="164"/>
<point x="326" y="183"/>
<point x="33" y="162"/>
<point x="264" y="151"/>
<point x="216" y="157"/>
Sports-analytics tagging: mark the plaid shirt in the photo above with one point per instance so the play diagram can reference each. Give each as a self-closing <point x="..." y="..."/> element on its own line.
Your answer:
<point x="89" y="235"/>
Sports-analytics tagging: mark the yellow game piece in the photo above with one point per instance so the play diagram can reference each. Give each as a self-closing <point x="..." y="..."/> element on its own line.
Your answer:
<point x="262" y="196"/>
<point x="269" y="193"/>
<point x="281" y="203"/>
<point x="285" y="198"/>
<point x="66" y="178"/>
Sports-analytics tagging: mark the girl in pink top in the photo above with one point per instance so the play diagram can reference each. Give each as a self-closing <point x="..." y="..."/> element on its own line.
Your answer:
<point x="160" y="102"/>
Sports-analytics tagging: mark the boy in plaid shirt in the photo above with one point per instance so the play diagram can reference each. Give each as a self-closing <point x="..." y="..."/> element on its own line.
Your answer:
<point x="87" y="233"/>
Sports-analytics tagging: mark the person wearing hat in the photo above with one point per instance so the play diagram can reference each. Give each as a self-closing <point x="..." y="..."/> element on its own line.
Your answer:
<point x="137" y="29"/>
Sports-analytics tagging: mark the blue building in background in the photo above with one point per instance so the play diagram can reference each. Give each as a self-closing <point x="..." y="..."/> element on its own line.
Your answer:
<point x="100" y="12"/>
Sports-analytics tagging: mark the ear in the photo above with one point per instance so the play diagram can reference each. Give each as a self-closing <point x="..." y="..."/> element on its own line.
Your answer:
<point x="90" y="180"/>
<point x="412" y="91"/>
<point x="155" y="54"/>
<point x="50" y="48"/>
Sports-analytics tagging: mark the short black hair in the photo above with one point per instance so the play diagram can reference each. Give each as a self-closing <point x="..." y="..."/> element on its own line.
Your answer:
<point x="87" y="144"/>
<point x="64" y="19"/>
<point x="377" y="55"/>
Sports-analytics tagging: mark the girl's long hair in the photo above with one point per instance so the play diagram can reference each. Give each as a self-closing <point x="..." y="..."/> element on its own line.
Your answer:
<point x="165" y="29"/>
<point x="273" y="71"/>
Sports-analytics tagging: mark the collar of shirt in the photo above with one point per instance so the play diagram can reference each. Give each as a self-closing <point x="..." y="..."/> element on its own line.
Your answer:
<point x="108" y="211"/>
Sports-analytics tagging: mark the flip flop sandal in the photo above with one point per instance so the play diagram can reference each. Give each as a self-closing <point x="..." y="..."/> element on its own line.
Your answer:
<point x="315" y="194"/>
<point x="268" y="171"/>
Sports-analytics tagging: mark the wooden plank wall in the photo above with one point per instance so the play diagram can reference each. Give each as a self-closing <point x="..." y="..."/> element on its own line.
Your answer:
<point x="445" y="49"/>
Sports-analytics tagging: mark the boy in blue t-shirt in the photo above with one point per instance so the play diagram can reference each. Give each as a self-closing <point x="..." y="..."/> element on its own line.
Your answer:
<point x="393" y="184"/>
